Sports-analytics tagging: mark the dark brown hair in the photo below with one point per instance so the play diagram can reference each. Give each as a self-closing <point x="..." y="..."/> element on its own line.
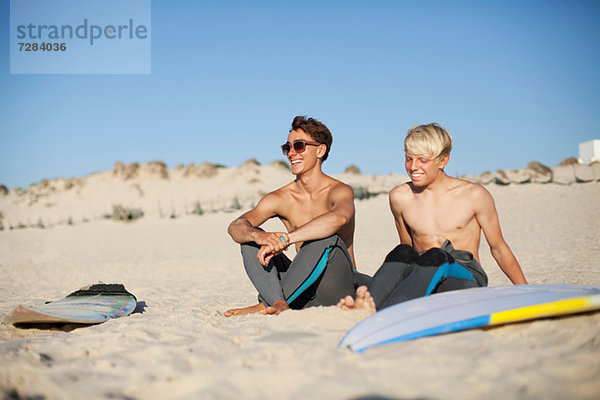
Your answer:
<point x="316" y="129"/>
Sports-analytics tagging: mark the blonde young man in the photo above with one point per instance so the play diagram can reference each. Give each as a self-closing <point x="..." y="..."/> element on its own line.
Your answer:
<point x="318" y="213"/>
<point x="439" y="220"/>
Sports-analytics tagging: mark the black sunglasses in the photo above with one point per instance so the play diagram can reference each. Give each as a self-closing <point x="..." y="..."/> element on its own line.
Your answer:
<point x="299" y="146"/>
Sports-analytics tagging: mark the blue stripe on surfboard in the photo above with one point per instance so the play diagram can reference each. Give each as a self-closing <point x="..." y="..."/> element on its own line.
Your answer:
<point x="316" y="273"/>
<point x="451" y="270"/>
<point x="475" y="322"/>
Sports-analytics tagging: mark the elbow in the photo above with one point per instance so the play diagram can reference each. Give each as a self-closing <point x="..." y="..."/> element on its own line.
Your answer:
<point x="495" y="253"/>
<point x="342" y="220"/>
<point x="231" y="228"/>
<point x="499" y="250"/>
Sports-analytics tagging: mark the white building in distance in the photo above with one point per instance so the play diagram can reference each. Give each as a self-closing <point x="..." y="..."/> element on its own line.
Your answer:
<point x="589" y="151"/>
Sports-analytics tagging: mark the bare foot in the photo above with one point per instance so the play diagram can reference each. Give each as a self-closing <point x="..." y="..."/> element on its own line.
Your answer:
<point x="363" y="301"/>
<point x="277" y="308"/>
<point x="245" y="310"/>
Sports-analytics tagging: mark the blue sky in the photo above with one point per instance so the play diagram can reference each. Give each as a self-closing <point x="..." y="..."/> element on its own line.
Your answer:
<point x="512" y="81"/>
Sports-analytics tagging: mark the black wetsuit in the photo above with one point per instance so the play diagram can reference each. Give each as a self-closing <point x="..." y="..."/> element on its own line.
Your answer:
<point x="320" y="274"/>
<point x="407" y="274"/>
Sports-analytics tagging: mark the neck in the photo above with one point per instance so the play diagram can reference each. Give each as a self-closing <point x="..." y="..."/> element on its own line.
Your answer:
<point x="310" y="180"/>
<point x="439" y="183"/>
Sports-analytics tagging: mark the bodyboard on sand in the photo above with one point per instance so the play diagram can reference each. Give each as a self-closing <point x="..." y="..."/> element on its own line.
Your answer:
<point x="89" y="305"/>
<point x="469" y="308"/>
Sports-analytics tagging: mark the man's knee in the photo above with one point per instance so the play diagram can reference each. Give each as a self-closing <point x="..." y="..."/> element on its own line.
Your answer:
<point x="312" y="251"/>
<point x="249" y="251"/>
<point x="329" y="241"/>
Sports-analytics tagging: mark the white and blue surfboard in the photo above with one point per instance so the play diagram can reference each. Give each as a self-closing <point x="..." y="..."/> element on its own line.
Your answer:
<point x="92" y="304"/>
<point x="470" y="308"/>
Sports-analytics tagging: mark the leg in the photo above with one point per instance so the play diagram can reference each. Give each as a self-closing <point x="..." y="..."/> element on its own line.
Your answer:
<point x="265" y="279"/>
<point x="396" y="267"/>
<point x="437" y="270"/>
<point x="412" y="286"/>
<point x="320" y="274"/>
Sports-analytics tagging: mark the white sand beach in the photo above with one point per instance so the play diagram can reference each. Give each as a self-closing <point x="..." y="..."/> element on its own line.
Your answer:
<point x="186" y="271"/>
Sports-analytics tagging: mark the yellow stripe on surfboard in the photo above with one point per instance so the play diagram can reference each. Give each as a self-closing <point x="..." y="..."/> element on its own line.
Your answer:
<point x="554" y="308"/>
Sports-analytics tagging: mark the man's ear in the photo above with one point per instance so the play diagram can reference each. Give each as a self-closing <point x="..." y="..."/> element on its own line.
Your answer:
<point x="321" y="150"/>
<point x="443" y="161"/>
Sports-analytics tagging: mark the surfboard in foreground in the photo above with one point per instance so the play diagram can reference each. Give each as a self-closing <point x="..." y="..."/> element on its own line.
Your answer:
<point x="470" y="308"/>
<point x="89" y="305"/>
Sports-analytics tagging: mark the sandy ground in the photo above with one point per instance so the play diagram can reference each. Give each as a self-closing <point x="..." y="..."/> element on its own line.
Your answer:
<point x="186" y="272"/>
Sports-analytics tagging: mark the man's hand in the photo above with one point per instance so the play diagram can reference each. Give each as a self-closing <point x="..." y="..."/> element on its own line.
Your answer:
<point x="272" y="244"/>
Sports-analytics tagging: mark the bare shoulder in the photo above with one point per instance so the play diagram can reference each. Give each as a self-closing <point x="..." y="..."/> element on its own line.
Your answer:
<point x="401" y="193"/>
<point x="340" y="186"/>
<point x="399" y="198"/>
<point x="282" y="191"/>
<point x="340" y="190"/>
<point x="277" y="197"/>
<point x="469" y="191"/>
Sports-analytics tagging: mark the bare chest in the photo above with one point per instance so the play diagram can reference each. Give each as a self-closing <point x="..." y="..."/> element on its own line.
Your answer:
<point x="299" y="211"/>
<point x="448" y="217"/>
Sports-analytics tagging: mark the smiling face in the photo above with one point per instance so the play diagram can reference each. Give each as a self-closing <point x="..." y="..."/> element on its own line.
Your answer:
<point x="422" y="169"/>
<point x="309" y="158"/>
<point x="427" y="149"/>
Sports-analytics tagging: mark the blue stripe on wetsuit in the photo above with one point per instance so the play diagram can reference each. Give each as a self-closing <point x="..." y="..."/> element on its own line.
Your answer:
<point x="451" y="270"/>
<point x="314" y="275"/>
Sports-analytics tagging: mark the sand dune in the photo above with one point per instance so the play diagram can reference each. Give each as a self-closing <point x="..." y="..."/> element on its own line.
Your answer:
<point x="150" y="190"/>
<point x="186" y="271"/>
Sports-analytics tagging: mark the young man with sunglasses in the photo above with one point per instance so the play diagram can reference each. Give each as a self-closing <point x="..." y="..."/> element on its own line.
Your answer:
<point x="318" y="213"/>
<point x="439" y="221"/>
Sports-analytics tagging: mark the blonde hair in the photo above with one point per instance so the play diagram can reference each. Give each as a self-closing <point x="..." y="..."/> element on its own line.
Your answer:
<point x="430" y="140"/>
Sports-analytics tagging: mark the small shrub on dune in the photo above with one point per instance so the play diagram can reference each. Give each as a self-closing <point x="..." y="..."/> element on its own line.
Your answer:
<point x="253" y="162"/>
<point x="568" y="161"/>
<point x="362" y="193"/>
<point x="235" y="204"/>
<point x="204" y="170"/>
<point x="120" y="213"/>
<point x="155" y="168"/>
<point x="125" y="171"/>
<point x="197" y="210"/>
<point x="352" y="169"/>
<point x="282" y="164"/>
